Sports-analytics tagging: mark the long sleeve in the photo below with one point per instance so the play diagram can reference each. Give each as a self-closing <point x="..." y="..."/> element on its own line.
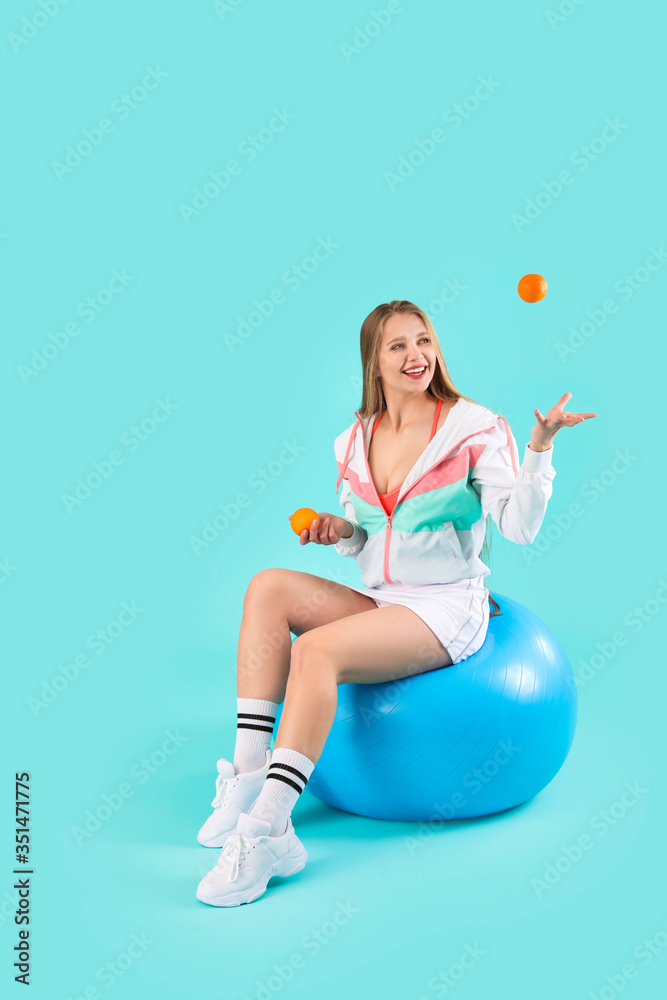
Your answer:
<point x="517" y="501"/>
<point x="353" y="545"/>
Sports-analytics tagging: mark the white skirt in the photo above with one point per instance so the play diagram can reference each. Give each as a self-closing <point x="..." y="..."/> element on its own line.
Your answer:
<point x="458" y="613"/>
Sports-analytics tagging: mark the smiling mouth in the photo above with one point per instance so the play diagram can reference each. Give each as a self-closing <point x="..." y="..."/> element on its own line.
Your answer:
<point x="416" y="372"/>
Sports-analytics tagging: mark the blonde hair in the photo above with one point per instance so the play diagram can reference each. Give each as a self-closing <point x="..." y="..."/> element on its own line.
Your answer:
<point x="441" y="385"/>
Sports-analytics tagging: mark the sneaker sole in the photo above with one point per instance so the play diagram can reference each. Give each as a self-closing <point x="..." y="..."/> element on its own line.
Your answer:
<point x="289" y="865"/>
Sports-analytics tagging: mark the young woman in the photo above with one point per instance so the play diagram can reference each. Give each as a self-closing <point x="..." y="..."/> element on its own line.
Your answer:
<point x="421" y="468"/>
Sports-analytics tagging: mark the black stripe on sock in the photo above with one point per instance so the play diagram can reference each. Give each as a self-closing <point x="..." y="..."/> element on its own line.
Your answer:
<point x="249" y="725"/>
<point x="288" y="781"/>
<point x="254" y="715"/>
<point x="288" y="767"/>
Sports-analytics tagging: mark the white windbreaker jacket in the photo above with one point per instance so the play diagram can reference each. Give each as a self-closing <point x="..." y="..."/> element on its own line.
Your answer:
<point x="435" y="534"/>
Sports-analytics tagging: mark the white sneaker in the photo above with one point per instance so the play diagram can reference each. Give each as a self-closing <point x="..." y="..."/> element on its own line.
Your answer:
<point x="248" y="860"/>
<point x="234" y="794"/>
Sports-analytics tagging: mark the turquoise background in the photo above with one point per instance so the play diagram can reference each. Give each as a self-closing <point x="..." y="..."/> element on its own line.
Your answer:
<point x="296" y="378"/>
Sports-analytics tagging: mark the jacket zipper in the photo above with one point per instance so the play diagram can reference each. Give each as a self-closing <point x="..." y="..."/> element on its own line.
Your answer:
<point x="387" y="540"/>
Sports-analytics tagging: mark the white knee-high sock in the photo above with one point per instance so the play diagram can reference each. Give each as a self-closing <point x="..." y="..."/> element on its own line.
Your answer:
<point x="254" y="728"/>
<point x="286" y="779"/>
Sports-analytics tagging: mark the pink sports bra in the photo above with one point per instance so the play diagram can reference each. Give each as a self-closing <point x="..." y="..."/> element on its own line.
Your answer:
<point x="388" y="500"/>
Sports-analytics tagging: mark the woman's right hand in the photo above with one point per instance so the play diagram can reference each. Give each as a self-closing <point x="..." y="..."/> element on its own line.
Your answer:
<point x="326" y="530"/>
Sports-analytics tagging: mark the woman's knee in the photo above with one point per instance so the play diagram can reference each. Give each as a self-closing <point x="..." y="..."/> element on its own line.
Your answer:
<point x="309" y="652"/>
<point x="265" y="586"/>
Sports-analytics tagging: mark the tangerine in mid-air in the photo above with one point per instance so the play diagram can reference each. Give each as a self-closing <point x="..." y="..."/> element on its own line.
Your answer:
<point x="532" y="287"/>
<point x="303" y="518"/>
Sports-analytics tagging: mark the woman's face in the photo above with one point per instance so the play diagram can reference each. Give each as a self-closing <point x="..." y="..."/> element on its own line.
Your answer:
<point x="405" y="344"/>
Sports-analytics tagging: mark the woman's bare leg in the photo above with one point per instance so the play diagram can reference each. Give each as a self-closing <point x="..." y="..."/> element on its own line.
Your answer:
<point x="279" y="602"/>
<point x="366" y="648"/>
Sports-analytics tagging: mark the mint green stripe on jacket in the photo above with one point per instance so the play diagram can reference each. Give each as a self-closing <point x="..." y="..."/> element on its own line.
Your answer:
<point x="457" y="502"/>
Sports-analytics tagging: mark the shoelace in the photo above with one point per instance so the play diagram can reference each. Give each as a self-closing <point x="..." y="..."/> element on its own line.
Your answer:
<point x="236" y="847"/>
<point x="222" y="787"/>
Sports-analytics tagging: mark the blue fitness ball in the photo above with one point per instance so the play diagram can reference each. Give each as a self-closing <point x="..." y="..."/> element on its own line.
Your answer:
<point x="478" y="737"/>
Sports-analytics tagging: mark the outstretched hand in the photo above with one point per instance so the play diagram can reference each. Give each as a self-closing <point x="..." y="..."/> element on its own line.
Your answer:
<point x="326" y="529"/>
<point x="546" y="428"/>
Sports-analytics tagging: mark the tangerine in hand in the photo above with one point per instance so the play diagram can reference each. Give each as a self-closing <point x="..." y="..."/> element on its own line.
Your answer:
<point x="303" y="518"/>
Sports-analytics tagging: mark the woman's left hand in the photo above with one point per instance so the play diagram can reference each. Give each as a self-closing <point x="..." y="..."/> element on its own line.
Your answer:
<point x="546" y="428"/>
